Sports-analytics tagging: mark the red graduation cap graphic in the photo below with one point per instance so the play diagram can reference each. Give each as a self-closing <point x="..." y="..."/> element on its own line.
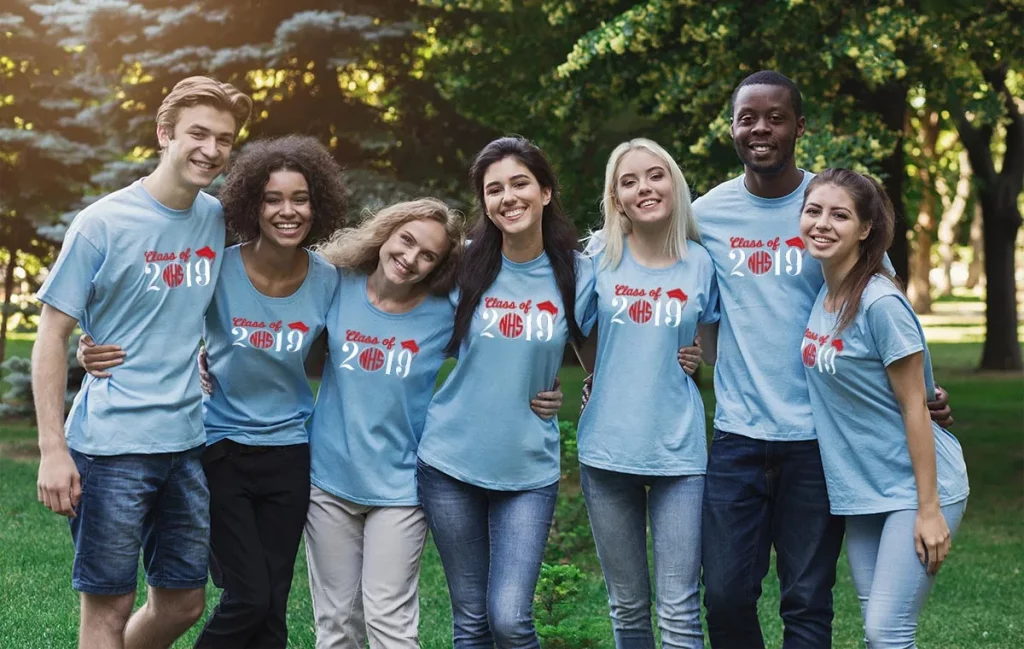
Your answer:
<point x="301" y="326"/>
<point x="206" y="253"/>
<point x="548" y="307"/>
<point x="411" y="346"/>
<point x="838" y="344"/>
<point x="795" y="242"/>
<point x="677" y="294"/>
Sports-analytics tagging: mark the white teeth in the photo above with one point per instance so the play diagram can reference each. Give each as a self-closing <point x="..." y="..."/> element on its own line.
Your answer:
<point x="648" y="203"/>
<point x="286" y="226"/>
<point x="202" y="165"/>
<point x="821" y="239"/>
<point x="513" y="213"/>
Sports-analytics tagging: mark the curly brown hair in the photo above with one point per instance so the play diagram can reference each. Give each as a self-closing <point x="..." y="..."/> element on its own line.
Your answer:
<point x="242" y="192"/>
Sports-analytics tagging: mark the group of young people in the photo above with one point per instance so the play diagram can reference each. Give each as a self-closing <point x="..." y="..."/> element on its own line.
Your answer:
<point x="822" y="379"/>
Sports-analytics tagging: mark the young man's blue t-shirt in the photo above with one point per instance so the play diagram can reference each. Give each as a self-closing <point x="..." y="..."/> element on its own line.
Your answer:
<point x="860" y="427"/>
<point x="480" y="428"/>
<point x="645" y="415"/>
<point x="136" y="273"/>
<point x="372" y="404"/>
<point x="767" y="283"/>
<point x="256" y="349"/>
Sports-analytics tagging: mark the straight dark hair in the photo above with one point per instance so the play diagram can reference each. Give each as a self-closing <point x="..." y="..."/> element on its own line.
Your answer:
<point x="482" y="259"/>
<point x="872" y="207"/>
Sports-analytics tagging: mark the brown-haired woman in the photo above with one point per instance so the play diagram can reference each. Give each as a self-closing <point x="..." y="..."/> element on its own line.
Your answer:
<point x="897" y="477"/>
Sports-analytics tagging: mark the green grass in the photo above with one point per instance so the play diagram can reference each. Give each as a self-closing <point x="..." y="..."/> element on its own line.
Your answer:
<point x="977" y="603"/>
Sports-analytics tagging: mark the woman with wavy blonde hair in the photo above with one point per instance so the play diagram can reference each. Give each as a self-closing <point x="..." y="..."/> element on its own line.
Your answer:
<point x="642" y="438"/>
<point x="387" y="331"/>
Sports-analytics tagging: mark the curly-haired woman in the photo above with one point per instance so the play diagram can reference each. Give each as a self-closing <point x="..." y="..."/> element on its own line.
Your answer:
<point x="269" y="305"/>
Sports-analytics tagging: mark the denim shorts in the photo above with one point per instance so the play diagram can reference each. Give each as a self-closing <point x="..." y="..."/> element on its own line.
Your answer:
<point x="157" y="502"/>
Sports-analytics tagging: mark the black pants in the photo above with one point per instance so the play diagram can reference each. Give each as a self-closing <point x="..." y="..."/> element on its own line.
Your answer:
<point x="258" y="502"/>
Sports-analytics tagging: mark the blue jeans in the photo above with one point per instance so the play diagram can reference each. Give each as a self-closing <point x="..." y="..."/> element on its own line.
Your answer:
<point x="759" y="494"/>
<point x="158" y="503"/>
<point x="891" y="583"/>
<point x="618" y="504"/>
<point x="491" y="545"/>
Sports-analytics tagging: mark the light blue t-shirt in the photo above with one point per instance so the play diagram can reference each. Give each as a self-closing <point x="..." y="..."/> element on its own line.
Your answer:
<point x="369" y="414"/>
<point x="645" y="415"/>
<point x="257" y="347"/>
<point x="767" y="284"/>
<point x="860" y="426"/>
<point x="138" y="274"/>
<point x="480" y="428"/>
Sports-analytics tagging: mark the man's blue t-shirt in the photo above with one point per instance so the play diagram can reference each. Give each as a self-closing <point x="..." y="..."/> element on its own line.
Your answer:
<point x="861" y="433"/>
<point x="136" y="273"/>
<point x="767" y="284"/>
<point x="372" y="404"/>
<point x="257" y="347"/>
<point x="480" y="428"/>
<point x="645" y="415"/>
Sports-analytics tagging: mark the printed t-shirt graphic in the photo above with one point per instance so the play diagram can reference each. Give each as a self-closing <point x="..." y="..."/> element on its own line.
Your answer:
<point x="257" y="347"/>
<point x="645" y="415"/>
<point x="369" y="413"/>
<point x="480" y="428"/>
<point x="861" y="433"/>
<point x="138" y="274"/>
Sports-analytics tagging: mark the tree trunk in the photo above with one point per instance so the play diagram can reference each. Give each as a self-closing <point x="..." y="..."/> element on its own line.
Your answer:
<point x="919" y="286"/>
<point x="892" y="105"/>
<point x="997" y="193"/>
<point x="1002" y="349"/>
<point x="976" y="269"/>
<point x="5" y="310"/>
<point x="953" y="209"/>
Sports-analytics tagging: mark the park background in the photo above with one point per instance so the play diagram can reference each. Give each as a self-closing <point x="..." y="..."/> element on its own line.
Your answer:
<point x="926" y="94"/>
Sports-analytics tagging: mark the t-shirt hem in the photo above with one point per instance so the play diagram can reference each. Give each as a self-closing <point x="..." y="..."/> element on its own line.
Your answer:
<point x="887" y="506"/>
<point x="645" y="470"/>
<point x="368" y="502"/>
<point x="484" y="484"/>
<point x="763" y="435"/>
<point x="136" y="450"/>
<point x="75" y="312"/>
<point x="258" y="439"/>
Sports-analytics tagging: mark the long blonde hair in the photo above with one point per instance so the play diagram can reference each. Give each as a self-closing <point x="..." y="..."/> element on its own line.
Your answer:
<point x="682" y="226"/>
<point x="358" y="248"/>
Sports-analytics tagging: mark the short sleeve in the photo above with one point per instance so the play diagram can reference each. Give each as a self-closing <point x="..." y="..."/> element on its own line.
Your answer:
<point x="712" y="310"/>
<point x="894" y="329"/>
<point x="586" y="293"/>
<point x="68" y="287"/>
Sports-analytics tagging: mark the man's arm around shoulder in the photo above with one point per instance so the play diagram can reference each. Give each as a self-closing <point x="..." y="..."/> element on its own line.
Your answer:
<point x="59" y="485"/>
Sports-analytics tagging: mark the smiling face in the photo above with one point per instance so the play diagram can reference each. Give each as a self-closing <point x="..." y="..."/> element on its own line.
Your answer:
<point x="199" y="147"/>
<point x="765" y="128"/>
<point x="287" y="213"/>
<point x="413" y="251"/>
<point x="643" y="188"/>
<point x="829" y="225"/>
<point x="513" y="198"/>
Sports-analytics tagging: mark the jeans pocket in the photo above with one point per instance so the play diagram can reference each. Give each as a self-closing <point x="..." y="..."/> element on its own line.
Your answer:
<point x="719" y="435"/>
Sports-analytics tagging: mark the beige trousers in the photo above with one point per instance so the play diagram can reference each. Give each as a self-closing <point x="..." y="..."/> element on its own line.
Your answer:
<point x="364" y="568"/>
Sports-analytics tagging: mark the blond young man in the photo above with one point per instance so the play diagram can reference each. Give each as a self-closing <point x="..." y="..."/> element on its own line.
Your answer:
<point x="138" y="266"/>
